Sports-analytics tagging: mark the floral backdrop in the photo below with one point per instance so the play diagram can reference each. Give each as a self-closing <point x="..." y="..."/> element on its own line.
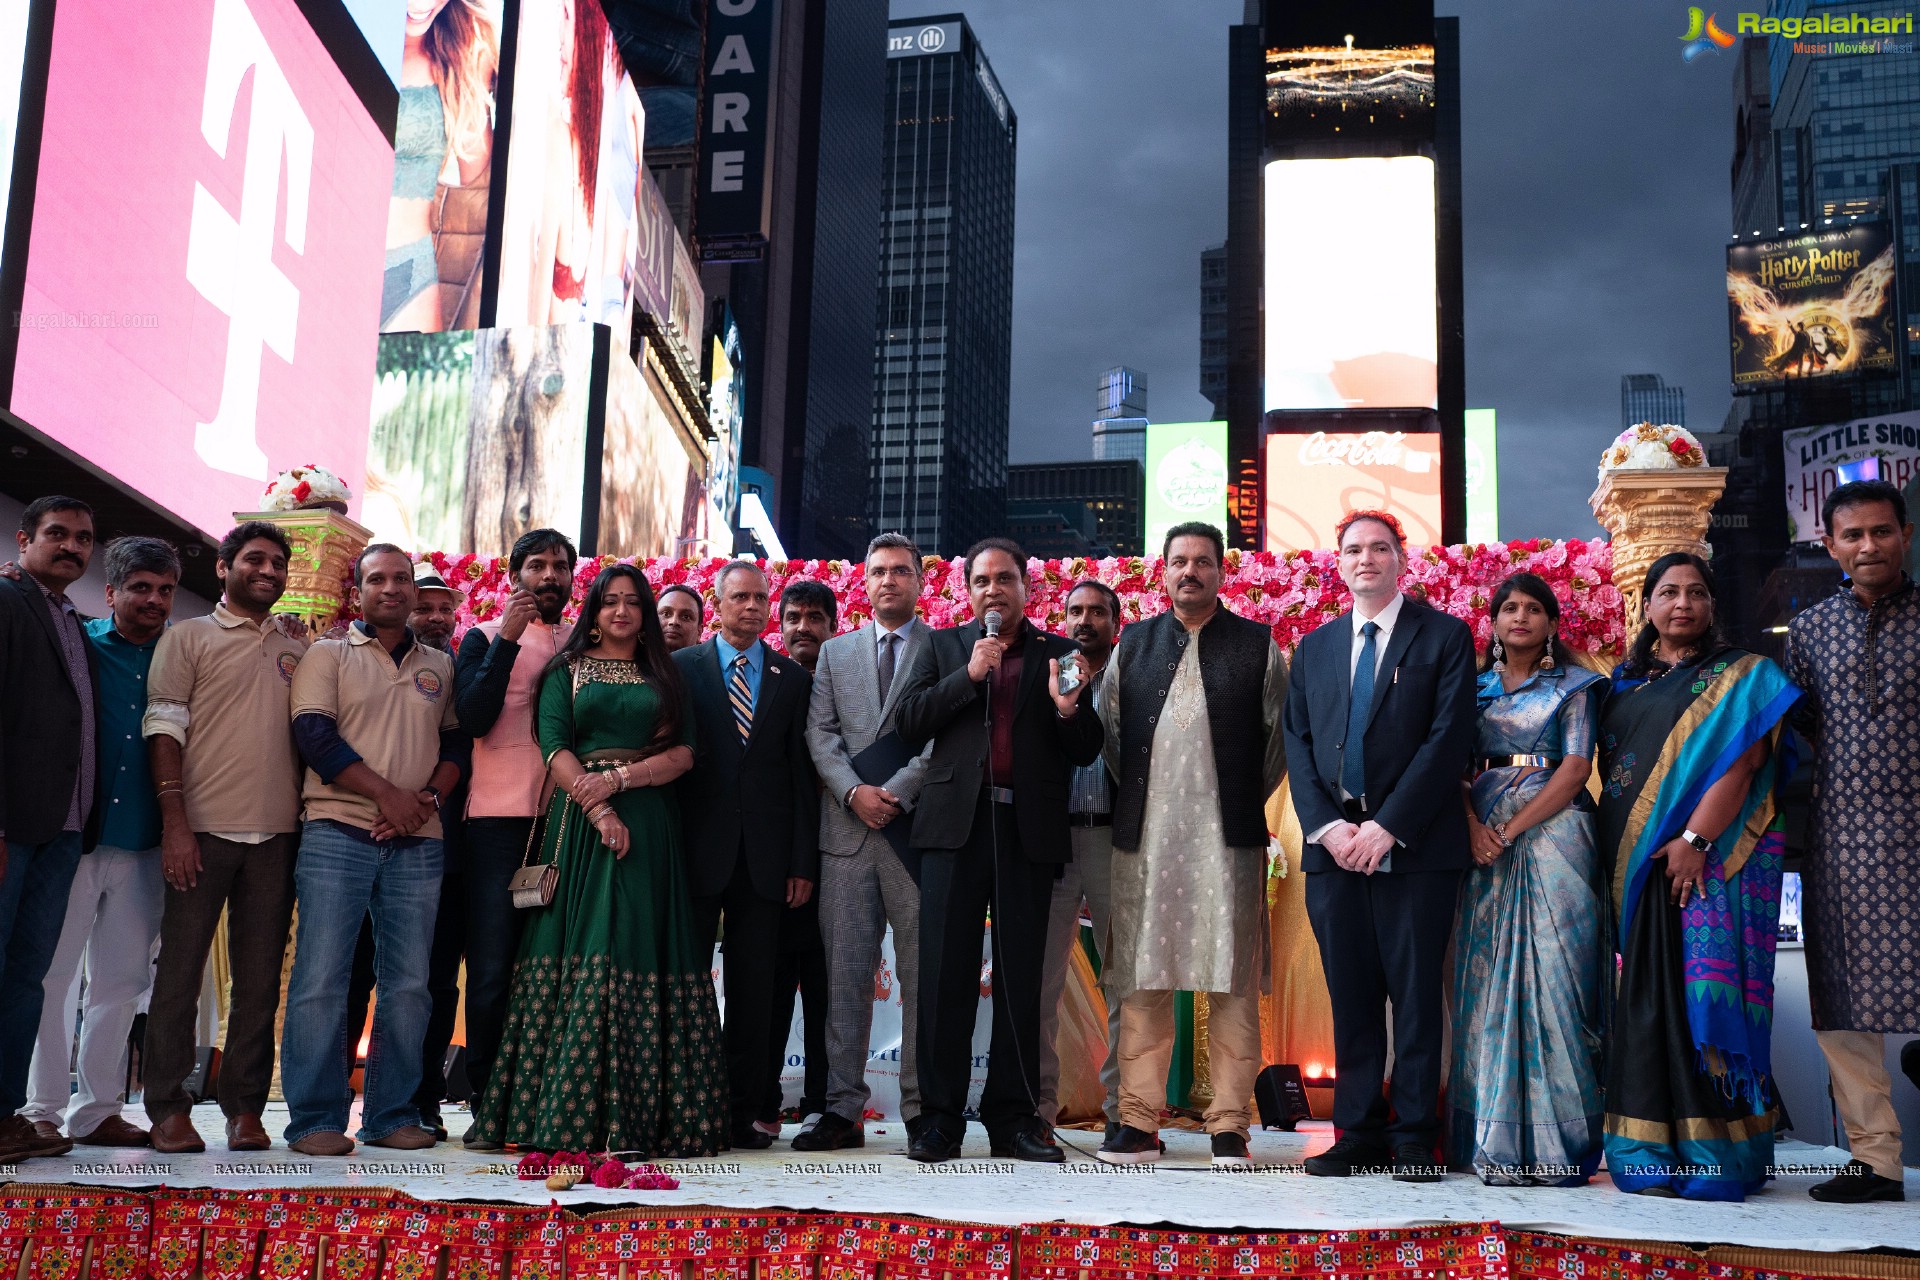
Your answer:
<point x="1292" y="592"/>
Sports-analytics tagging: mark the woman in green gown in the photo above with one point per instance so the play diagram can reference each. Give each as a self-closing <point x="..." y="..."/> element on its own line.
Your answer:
<point x="612" y="1039"/>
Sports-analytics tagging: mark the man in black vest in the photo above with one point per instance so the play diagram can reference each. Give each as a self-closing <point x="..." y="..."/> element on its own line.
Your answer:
<point x="751" y="809"/>
<point x="1380" y="721"/>
<point x="991" y="825"/>
<point x="1192" y="701"/>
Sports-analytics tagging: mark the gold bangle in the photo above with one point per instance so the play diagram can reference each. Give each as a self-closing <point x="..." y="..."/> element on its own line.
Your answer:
<point x="650" y="781"/>
<point x="166" y="782"/>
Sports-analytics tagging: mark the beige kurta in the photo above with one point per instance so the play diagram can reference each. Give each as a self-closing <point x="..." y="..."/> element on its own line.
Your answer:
<point x="1189" y="913"/>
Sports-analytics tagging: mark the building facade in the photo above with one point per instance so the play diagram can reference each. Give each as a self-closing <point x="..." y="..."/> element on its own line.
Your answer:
<point x="1102" y="503"/>
<point x="1821" y="142"/>
<point x="1646" y="397"/>
<point x="1213" y="327"/>
<point x="943" y="324"/>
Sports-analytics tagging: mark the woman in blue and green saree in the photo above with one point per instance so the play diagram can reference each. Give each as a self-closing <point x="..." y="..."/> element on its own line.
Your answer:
<point x="1533" y="958"/>
<point x="1690" y="739"/>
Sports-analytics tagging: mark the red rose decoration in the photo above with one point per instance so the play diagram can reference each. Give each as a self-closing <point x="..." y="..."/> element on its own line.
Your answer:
<point x="1680" y="448"/>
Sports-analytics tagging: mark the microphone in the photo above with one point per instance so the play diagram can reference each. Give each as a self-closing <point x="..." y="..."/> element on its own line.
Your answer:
<point x="992" y="621"/>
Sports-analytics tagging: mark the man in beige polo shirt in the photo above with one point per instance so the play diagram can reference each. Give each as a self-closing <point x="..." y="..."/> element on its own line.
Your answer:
<point x="374" y="719"/>
<point x="220" y="744"/>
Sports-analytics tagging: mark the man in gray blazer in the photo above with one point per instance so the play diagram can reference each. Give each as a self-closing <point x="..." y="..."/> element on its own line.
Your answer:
<point x="865" y="883"/>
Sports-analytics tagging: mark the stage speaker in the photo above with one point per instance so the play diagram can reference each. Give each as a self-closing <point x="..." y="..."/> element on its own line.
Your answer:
<point x="459" y="1088"/>
<point x="1281" y="1095"/>
<point x="204" y="1081"/>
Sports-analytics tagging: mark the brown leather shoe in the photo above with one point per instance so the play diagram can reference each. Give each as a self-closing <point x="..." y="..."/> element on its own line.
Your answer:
<point x="115" y="1132"/>
<point x="176" y="1135"/>
<point x="408" y="1137"/>
<point x="324" y="1143"/>
<point x="21" y="1139"/>
<point x="244" y="1133"/>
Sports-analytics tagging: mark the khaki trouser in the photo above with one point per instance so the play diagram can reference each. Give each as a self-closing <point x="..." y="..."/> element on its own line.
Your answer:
<point x="1146" y="1049"/>
<point x="1863" y="1093"/>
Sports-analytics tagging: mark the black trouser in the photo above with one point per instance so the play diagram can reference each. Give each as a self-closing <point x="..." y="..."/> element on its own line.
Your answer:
<point x="1382" y="937"/>
<point x="956" y="888"/>
<point x="801" y="965"/>
<point x="750" y="953"/>
<point x="492" y="850"/>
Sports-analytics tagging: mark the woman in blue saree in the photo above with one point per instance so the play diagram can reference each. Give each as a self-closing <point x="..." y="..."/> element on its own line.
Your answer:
<point x="1533" y="964"/>
<point x="1689" y="744"/>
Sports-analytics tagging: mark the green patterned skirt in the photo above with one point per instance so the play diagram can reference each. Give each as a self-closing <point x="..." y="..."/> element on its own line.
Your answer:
<point x="612" y="1040"/>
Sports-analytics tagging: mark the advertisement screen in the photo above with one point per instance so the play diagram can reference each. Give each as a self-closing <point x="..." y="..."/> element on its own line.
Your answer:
<point x="1483" y="477"/>
<point x="570" y="234"/>
<point x="1351" y="310"/>
<point x="442" y="168"/>
<point x="1819" y="460"/>
<point x="1314" y="479"/>
<point x="1350" y="70"/>
<point x="652" y="499"/>
<point x="478" y="436"/>
<point x="1810" y="306"/>
<point x="202" y="288"/>
<point x="1186" y="477"/>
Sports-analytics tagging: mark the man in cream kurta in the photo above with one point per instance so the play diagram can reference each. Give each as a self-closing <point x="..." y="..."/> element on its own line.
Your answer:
<point x="1193" y="705"/>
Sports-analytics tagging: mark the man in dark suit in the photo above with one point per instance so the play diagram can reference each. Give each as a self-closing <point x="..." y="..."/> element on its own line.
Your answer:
<point x="1380" y="722"/>
<point x="751" y="811"/>
<point x="991" y="827"/>
<point x="48" y="776"/>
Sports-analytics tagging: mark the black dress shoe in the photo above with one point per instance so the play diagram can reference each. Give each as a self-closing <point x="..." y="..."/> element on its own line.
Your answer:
<point x="831" y="1133"/>
<point x="1414" y="1162"/>
<point x="916" y="1127"/>
<point x="747" y="1138"/>
<point x="433" y="1124"/>
<point x="1347" y="1157"/>
<point x="1858" y="1184"/>
<point x="1033" y="1143"/>
<point x="932" y="1146"/>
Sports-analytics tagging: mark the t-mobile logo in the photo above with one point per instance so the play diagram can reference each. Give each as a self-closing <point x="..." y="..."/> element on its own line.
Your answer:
<point x="229" y="259"/>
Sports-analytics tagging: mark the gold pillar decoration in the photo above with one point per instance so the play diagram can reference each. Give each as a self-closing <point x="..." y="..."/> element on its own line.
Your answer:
<point x="325" y="544"/>
<point x="1649" y="513"/>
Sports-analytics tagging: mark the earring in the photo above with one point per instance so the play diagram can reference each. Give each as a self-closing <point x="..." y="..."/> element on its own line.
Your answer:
<point x="593" y="634"/>
<point x="1499" y="653"/>
<point x="1546" y="659"/>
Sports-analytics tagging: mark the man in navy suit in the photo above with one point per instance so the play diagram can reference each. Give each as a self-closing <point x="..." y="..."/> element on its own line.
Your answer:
<point x="1380" y="723"/>
<point x="750" y="807"/>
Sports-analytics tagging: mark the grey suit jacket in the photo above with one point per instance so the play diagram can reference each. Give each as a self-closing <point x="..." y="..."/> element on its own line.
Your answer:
<point x="845" y="718"/>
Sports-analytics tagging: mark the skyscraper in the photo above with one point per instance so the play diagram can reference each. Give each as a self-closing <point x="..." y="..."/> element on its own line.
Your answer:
<point x="1646" y="397"/>
<point x="1120" y="393"/>
<point x="1213" y="327"/>
<point x="943" y="348"/>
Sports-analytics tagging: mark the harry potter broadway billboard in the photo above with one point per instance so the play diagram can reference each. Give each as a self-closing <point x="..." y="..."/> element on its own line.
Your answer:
<point x="1811" y="306"/>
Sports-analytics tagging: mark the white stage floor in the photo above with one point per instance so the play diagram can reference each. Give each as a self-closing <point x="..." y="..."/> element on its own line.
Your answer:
<point x="1182" y="1190"/>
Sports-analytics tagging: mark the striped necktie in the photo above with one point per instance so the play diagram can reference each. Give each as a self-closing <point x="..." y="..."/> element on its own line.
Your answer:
<point x="741" y="698"/>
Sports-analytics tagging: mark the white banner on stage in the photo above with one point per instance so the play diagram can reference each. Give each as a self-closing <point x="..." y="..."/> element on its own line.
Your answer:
<point x="883" y="1051"/>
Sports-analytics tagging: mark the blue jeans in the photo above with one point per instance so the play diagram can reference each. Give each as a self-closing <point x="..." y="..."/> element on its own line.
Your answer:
<point x="33" y="908"/>
<point x="338" y="879"/>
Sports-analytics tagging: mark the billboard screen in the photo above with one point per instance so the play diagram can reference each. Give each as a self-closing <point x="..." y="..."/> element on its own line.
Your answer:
<point x="13" y="55"/>
<point x="478" y="436"/>
<point x="1350" y="71"/>
<point x="653" y="500"/>
<point x="1186" y="477"/>
<point x="1314" y="479"/>
<point x="443" y="163"/>
<point x="203" y="282"/>
<point x="1351" y="306"/>
<point x="1819" y="460"/>
<point x="1483" y="477"/>
<point x="1811" y="306"/>
<point x="569" y="232"/>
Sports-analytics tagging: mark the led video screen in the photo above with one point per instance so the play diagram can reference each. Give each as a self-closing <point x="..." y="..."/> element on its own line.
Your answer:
<point x="203" y="282"/>
<point x="570" y="231"/>
<point x="13" y="52"/>
<point x="1351" y="311"/>
<point x="1811" y="306"/>
<point x="1315" y="478"/>
<point x="1350" y="71"/>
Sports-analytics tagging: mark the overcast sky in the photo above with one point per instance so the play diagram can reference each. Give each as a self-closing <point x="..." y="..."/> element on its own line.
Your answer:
<point x="1596" y="188"/>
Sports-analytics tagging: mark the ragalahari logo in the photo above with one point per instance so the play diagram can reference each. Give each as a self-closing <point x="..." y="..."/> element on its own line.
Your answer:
<point x="1703" y="34"/>
<point x="229" y="258"/>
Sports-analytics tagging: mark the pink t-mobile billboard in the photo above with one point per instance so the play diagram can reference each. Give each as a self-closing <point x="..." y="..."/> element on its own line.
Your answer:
<point x="203" y="276"/>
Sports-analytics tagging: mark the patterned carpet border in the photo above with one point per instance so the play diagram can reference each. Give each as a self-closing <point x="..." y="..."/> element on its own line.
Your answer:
<point x="63" y="1232"/>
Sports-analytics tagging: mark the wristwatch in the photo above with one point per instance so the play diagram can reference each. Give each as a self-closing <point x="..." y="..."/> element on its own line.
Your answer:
<point x="435" y="793"/>
<point x="1697" y="840"/>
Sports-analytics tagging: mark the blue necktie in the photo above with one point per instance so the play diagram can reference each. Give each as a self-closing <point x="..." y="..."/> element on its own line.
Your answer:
<point x="1353" y="764"/>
